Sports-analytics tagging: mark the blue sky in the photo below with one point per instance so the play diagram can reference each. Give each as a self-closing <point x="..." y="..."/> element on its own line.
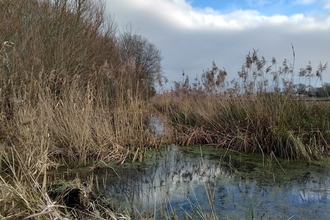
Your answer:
<point x="265" y="7"/>
<point x="192" y="33"/>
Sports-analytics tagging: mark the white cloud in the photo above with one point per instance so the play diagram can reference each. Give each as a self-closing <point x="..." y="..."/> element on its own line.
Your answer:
<point x="191" y="38"/>
<point x="179" y="13"/>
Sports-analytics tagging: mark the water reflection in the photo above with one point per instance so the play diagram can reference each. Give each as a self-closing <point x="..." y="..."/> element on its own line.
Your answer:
<point x="180" y="182"/>
<point x="156" y="125"/>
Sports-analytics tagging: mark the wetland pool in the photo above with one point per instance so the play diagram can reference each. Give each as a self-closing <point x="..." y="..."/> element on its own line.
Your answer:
<point x="203" y="182"/>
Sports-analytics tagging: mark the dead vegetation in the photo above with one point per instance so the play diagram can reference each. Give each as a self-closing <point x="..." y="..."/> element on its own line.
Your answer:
<point x="67" y="93"/>
<point x="262" y="111"/>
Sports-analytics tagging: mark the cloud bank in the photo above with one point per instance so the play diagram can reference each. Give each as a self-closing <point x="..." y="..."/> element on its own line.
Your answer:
<point x="190" y="38"/>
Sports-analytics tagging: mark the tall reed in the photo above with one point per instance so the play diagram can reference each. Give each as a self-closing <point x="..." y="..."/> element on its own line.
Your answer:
<point x="65" y="95"/>
<point x="254" y="115"/>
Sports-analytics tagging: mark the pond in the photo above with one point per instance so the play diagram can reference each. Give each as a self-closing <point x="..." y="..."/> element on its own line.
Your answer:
<point x="205" y="182"/>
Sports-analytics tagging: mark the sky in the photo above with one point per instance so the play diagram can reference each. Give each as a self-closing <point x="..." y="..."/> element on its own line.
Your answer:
<point x="191" y="34"/>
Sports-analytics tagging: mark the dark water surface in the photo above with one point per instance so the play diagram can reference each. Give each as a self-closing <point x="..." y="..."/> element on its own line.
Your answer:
<point x="204" y="181"/>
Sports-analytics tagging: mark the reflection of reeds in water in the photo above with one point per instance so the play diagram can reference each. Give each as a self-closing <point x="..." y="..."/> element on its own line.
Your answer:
<point x="153" y="190"/>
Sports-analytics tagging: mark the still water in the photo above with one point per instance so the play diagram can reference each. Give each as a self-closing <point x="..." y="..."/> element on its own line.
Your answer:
<point x="200" y="182"/>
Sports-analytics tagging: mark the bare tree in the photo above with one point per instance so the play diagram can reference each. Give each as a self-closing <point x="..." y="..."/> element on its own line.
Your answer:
<point x="146" y="57"/>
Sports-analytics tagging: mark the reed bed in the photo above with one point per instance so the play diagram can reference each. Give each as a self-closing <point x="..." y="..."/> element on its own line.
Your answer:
<point x="263" y="111"/>
<point x="67" y="98"/>
<point x="288" y="127"/>
<point x="40" y="130"/>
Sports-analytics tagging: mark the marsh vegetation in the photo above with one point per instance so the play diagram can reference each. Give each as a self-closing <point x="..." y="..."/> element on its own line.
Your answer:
<point x="74" y="90"/>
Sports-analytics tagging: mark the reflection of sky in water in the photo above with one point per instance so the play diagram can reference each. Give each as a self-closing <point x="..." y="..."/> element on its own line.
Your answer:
<point x="182" y="182"/>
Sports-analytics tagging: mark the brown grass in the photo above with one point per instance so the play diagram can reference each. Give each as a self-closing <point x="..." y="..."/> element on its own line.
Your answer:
<point x="65" y="95"/>
<point x="267" y="123"/>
